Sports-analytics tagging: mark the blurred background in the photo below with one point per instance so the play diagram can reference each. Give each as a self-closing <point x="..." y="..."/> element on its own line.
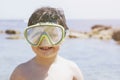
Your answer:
<point x="93" y="41"/>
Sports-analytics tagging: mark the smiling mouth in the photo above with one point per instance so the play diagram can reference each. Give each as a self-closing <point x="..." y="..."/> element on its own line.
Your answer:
<point x="45" y="48"/>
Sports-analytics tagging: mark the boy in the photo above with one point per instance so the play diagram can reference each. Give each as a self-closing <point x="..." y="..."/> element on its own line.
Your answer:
<point x="46" y="31"/>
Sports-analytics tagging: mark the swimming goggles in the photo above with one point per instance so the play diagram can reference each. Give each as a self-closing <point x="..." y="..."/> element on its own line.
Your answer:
<point x="54" y="33"/>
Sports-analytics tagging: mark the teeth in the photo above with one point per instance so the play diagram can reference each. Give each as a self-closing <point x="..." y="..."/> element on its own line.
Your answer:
<point x="45" y="48"/>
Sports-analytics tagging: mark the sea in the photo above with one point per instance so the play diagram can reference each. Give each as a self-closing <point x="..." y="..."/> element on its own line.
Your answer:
<point x="97" y="59"/>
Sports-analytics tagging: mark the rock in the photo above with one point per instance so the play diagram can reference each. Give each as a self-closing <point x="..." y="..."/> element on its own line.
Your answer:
<point x="10" y="32"/>
<point x="102" y="32"/>
<point x="101" y="27"/>
<point x="116" y="35"/>
<point x="97" y="28"/>
<point x="78" y="34"/>
<point x="73" y="35"/>
<point x="13" y="37"/>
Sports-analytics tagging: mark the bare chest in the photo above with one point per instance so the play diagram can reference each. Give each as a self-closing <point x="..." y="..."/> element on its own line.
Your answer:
<point x="53" y="73"/>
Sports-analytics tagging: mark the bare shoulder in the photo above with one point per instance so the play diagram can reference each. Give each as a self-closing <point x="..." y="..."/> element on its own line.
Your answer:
<point x="71" y="64"/>
<point x="17" y="74"/>
<point x="74" y="68"/>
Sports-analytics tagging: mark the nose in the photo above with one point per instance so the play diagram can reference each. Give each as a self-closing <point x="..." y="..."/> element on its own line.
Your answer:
<point x="44" y="42"/>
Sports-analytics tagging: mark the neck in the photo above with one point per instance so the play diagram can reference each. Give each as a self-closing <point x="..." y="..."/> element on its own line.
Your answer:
<point x="45" y="61"/>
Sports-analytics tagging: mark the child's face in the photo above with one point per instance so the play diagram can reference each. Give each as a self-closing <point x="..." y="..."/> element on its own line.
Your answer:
<point x="45" y="38"/>
<point x="46" y="51"/>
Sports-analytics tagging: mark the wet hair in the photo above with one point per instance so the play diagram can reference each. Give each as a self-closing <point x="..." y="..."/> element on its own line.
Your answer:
<point x="48" y="14"/>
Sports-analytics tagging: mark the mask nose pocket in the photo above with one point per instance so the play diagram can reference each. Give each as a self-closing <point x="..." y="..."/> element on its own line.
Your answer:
<point x="44" y="40"/>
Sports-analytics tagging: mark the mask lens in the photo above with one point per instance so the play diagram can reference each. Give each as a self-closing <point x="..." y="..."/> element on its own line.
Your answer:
<point x="54" y="34"/>
<point x="33" y="35"/>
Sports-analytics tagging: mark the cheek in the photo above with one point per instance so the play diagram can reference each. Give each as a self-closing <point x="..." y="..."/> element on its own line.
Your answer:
<point x="56" y="49"/>
<point x="34" y="49"/>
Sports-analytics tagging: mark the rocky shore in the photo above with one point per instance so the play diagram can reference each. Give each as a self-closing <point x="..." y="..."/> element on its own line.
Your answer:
<point x="12" y="34"/>
<point x="101" y="32"/>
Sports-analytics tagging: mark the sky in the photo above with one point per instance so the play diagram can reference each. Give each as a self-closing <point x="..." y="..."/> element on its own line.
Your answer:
<point x="73" y="9"/>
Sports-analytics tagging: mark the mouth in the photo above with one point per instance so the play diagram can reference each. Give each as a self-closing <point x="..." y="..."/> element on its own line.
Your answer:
<point x="45" y="48"/>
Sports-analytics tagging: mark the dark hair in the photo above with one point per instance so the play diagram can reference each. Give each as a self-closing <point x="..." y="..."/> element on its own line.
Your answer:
<point x="48" y="14"/>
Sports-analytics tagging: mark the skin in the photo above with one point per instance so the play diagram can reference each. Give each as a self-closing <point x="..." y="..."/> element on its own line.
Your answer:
<point x="47" y="65"/>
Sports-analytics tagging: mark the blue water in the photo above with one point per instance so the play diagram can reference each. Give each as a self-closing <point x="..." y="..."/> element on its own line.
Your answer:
<point x="97" y="59"/>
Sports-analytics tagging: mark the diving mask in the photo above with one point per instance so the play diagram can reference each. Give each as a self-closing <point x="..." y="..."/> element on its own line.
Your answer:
<point x="54" y="33"/>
